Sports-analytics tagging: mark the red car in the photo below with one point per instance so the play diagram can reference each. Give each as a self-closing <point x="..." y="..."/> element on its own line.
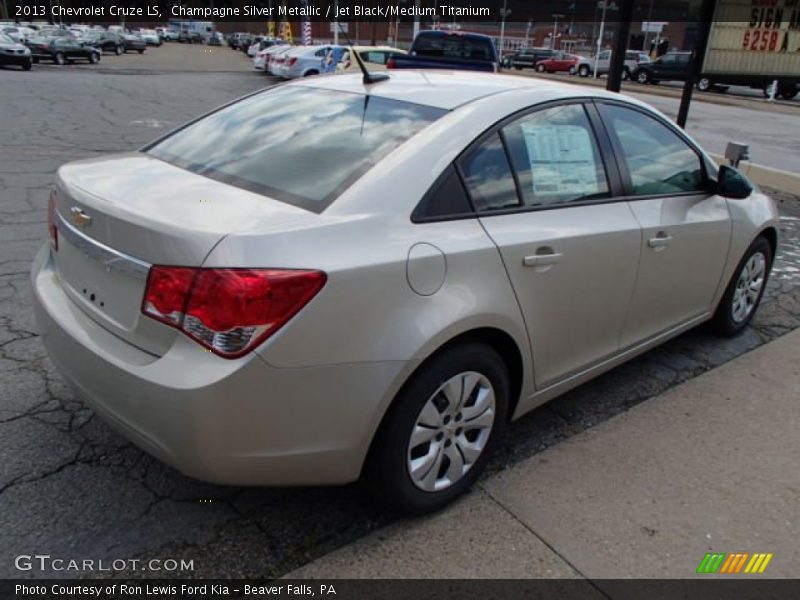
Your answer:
<point x="559" y="62"/>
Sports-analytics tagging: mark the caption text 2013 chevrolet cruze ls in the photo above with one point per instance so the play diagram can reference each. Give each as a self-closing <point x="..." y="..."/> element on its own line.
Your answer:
<point x="333" y="279"/>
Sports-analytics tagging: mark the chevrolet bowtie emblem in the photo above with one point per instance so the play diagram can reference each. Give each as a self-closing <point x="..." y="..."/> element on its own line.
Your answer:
<point x="80" y="218"/>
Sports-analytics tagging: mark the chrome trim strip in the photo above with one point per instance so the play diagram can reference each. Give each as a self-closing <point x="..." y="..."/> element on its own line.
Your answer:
<point x="111" y="259"/>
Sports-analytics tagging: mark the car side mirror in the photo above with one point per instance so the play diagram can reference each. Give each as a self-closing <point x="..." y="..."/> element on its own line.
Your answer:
<point x="732" y="184"/>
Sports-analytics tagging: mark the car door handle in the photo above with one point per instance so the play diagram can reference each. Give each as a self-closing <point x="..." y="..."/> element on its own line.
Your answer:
<point x="662" y="240"/>
<point x="542" y="260"/>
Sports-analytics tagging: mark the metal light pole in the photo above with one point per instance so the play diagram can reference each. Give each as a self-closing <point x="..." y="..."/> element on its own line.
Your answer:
<point x="336" y="23"/>
<point x="528" y="33"/>
<point x="416" y="18"/>
<point x="555" y="30"/>
<point x="600" y="37"/>
<point x="647" y="29"/>
<point x="504" y="12"/>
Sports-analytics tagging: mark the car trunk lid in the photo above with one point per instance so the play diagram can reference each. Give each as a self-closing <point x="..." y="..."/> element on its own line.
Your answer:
<point x="118" y="216"/>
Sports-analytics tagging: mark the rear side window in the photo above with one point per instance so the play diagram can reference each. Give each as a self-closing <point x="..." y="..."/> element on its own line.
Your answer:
<point x="447" y="199"/>
<point x="453" y="46"/>
<point x="555" y="156"/>
<point x="658" y="160"/>
<point x="488" y="176"/>
<point x="303" y="146"/>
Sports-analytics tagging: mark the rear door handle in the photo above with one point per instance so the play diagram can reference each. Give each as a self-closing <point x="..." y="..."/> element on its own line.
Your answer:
<point x="542" y="260"/>
<point x="662" y="240"/>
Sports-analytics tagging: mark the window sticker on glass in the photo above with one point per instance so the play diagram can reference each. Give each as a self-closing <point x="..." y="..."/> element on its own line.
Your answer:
<point x="561" y="159"/>
<point x="555" y="157"/>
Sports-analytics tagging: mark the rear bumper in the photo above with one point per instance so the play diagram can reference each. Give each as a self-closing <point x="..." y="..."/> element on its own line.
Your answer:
<point x="239" y="422"/>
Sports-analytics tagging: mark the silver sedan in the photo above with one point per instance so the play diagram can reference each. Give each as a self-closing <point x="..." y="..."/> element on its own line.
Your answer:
<point x="331" y="280"/>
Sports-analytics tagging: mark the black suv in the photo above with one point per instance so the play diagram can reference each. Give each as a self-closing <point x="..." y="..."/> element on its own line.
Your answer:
<point x="671" y="66"/>
<point x="528" y="57"/>
<point x="105" y="41"/>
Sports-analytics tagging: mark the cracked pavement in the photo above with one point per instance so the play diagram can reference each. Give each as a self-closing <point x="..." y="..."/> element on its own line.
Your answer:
<point x="71" y="487"/>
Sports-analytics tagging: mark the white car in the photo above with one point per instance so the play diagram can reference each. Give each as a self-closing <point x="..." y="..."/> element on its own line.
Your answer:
<point x="268" y="55"/>
<point x="277" y="60"/>
<point x="167" y="34"/>
<point x="305" y="61"/>
<point x="19" y="34"/>
<point x="150" y="36"/>
<point x="633" y="58"/>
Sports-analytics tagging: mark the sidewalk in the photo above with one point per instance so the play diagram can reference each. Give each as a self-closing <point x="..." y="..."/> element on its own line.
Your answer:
<point x="711" y="465"/>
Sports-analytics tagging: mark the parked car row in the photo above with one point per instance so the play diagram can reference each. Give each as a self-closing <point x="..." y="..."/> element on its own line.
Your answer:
<point x="555" y="61"/>
<point x="672" y="66"/>
<point x="23" y="45"/>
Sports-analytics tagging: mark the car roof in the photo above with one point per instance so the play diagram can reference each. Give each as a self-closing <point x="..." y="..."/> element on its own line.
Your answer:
<point x="451" y="89"/>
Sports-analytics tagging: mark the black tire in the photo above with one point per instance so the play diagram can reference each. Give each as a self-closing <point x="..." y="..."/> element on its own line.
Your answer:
<point x="59" y="58"/>
<point x="36" y="60"/>
<point x="118" y="50"/>
<point x="584" y="71"/>
<point x="94" y="58"/>
<point x="540" y="68"/>
<point x="386" y="472"/>
<point x="518" y="67"/>
<point x="27" y="66"/>
<point x="704" y="84"/>
<point x="789" y="93"/>
<point x="141" y="51"/>
<point x="310" y="73"/>
<point x="643" y="77"/>
<point x="724" y="322"/>
<point x="626" y="73"/>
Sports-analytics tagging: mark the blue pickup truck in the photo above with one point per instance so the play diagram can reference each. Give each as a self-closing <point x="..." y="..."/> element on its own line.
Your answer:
<point x="454" y="50"/>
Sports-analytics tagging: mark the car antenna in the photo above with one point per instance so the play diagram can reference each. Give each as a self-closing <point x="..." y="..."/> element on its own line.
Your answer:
<point x="368" y="77"/>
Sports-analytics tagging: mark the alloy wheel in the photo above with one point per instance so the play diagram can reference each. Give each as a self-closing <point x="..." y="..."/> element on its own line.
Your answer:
<point x="451" y="431"/>
<point x="748" y="287"/>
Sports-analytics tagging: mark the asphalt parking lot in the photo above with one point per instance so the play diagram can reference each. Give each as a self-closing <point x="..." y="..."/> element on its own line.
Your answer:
<point x="71" y="487"/>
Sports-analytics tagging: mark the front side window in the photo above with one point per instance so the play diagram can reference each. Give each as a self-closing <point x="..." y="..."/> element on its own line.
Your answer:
<point x="658" y="160"/>
<point x="300" y="145"/>
<point x="555" y="157"/>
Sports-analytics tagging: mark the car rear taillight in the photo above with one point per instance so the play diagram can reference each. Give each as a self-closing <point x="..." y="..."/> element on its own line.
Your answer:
<point x="292" y="61"/>
<point x="390" y="64"/>
<point x="51" y="220"/>
<point x="228" y="311"/>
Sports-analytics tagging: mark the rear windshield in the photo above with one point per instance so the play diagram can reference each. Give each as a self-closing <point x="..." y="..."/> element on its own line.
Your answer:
<point x="301" y="145"/>
<point x="453" y="46"/>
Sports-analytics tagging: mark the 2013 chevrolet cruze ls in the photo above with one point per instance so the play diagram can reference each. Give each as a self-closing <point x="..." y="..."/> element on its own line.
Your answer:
<point x="331" y="279"/>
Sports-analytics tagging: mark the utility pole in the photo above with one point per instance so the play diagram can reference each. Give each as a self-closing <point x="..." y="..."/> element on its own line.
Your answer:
<point x="416" y="18"/>
<point x="504" y="12"/>
<point x="336" y="23"/>
<point x="555" y="30"/>
<point x="600" y="37"/>
<point x="528" y="33"/>
<point x="647" y="29"/>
